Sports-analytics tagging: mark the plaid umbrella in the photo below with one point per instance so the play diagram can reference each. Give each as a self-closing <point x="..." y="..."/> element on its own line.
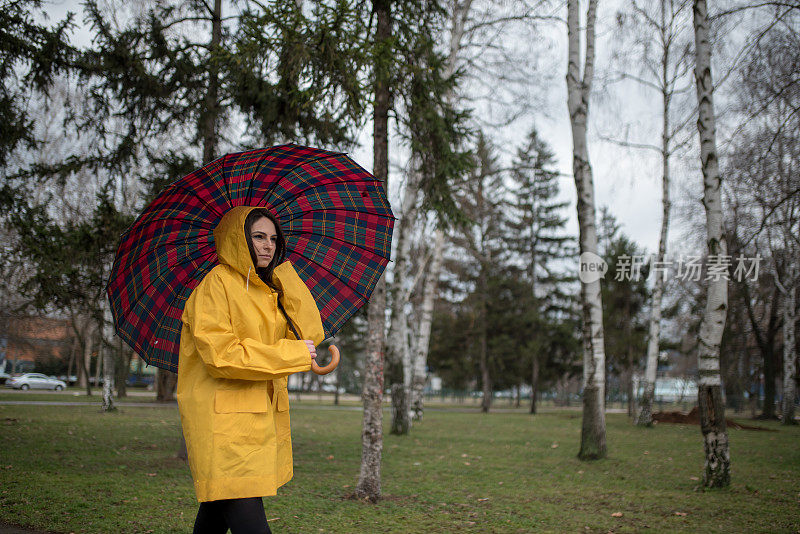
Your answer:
<point x="334" y="214"/>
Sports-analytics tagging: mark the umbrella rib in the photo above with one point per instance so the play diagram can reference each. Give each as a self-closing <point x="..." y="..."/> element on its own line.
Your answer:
<point x="327" y="271"/>
<point x="186" y="188"/>
<point x="290" y="169"/>
<point x="355" y="245"/>
<point x="337" y="209"/>
<point x="321" y="184"/>
<point x="144" y="289"/>
<point x="126" y="268"/>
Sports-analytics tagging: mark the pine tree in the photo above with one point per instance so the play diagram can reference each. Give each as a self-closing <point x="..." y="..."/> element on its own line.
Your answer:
<point x="536" y="233"/>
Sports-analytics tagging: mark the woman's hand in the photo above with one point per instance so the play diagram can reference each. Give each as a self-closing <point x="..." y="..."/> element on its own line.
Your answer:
<point x="311" y="348"/>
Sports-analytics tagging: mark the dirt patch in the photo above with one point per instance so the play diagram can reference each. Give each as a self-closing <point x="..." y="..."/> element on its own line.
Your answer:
<point x="693" y="418"/>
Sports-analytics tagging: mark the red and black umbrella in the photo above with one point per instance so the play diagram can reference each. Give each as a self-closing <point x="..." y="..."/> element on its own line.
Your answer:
<point x="334" y="214"/>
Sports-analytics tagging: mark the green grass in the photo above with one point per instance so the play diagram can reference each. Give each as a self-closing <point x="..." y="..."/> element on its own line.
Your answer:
<point x="73" y="469"/>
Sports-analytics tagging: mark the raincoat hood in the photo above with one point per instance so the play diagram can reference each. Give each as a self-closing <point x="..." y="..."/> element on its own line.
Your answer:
<point x="231" y="242"/>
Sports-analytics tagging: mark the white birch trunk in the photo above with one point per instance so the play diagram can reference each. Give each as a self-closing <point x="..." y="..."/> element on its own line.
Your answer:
<point x="420" y="354"/>
<point x="712" y="408"/>
<point x="593" y="432"/>
<point x="397" y="350"/>
<point x="419" y="376"/>
<point x="645" y="417"/>
<point x="109" y="362"/>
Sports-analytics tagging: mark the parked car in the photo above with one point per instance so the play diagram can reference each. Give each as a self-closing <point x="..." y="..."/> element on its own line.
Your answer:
<point x="35" y="381"/>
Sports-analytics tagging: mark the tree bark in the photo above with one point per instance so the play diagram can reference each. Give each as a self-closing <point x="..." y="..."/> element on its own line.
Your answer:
<point x="789" y="354"/>
<point x="593" y="432"/>
<point x="85" y="360"/>
<point x="398" y="351"/>
<point x="645" y="417"/>
<point x="166" y="381"/>
<point x="369" y="480"/>
<point x="712" y="409"/>
<point x="430" y="285"/>
<point x="108" y="379"/>
<point x="534" y="383"/>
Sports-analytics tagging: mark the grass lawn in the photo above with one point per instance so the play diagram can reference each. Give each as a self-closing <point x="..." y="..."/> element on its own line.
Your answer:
<point x="73" y="469"/>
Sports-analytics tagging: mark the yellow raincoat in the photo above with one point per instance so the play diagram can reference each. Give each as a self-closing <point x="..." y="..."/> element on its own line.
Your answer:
<point x="235" y="355"/>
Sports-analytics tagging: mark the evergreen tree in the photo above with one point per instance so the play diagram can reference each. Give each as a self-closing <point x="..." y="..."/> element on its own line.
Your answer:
<point x="536" y="234"/>
<point x="625" y="295"/>
<point x="31" y="56"/>
<point x="485" y="252"/>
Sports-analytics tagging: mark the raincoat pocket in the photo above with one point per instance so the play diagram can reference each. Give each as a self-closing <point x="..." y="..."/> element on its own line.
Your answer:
<point x="241" y="400"/>
<point x="282" y="423"/>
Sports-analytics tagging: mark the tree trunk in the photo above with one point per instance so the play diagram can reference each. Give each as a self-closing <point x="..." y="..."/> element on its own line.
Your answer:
<point x="645" y="417"/>
<point x="789" y="355"/>
<point x="712" y="409"/>
<point x="593" y="432"/>
<point x="73" y="357"/>
<point x="108" y="379"/>
<point x="166" y="381"/>
<point x="768" y="412"/>
<point x="486" y="382"/>
<point x="98" y="365"/>
<point x="337" y="385"/>
<point x="534" y="383"/>
<point x="369" y="479"/>
<point x="86" y="358"/>
<point x="397" y="349"/>
<point x="208" y="125"/>
<point x="430" y="285"/>
<point x="122" y="373"/>
<point x="420" y="355"/>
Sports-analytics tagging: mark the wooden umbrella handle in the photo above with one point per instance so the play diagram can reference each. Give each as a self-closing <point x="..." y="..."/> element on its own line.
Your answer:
<point x="331" y="366"/>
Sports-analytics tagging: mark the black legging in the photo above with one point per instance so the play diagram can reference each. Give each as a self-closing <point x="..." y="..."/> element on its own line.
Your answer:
<point x="242" y="516"/>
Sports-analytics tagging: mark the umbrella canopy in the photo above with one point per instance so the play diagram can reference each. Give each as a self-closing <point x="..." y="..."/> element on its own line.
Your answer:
<point x="335" y="217"/>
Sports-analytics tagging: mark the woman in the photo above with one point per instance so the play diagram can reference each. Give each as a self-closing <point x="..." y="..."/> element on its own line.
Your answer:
<point x="235" y="355"/>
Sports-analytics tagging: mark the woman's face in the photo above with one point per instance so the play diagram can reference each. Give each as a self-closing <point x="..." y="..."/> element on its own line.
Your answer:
<point x="265" y="239"/>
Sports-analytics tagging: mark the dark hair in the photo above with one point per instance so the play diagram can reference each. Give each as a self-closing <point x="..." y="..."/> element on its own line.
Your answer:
<point x="265" y="273"/>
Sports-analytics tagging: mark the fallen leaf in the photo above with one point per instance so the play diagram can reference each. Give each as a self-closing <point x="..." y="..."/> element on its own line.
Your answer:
<point x="647" y="452"/>
<point x="464" y="455"/>
<point x="554" y="446"/>
<point x="151" y="474"/>
<point x="483" y="499"/>
<point x="467" y="463"/>
<point x="694" y="478"/>
<point x="616" y="514"/>
<point x="680" y="513"/>
<point x="330" y="457"/>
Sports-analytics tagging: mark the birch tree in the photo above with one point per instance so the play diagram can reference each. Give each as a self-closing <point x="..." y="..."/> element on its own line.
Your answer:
<point x="473" y="48"/>
<point x="712" y="409"/>
<point x="662" y="58"/>
<point x="579" y="84"/>
<point x="459" y="12"/>
<point x="434" y="131"/>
